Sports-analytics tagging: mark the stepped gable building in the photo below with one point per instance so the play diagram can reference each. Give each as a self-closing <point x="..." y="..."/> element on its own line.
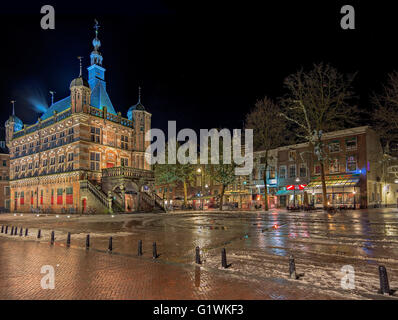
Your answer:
<point x="81" y="155"/>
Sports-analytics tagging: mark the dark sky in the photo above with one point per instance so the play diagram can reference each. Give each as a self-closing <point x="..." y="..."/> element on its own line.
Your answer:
<point x="203" y="65"/>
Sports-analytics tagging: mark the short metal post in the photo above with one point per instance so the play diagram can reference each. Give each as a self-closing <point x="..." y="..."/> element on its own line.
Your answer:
<point x="140" y="247"/>
<point x="12" y="230"/>
<point x="292" y="268"/>
<point x="2" y="229"/>
<point x="223" y="258"/>
<point x="6" y="231"/>
<point x="197" y="255"/>
<point x="26" y="232"/>
<point x="68" y="240"/>
<point x="88" y="241"/>
<point x="52" y="237"/>
<point x="20" y="232"/>
<point x="384" y="284"/>
<point x="110" y="244"/>
<point x="154" y="251"/>
<point x="39" y="234"/>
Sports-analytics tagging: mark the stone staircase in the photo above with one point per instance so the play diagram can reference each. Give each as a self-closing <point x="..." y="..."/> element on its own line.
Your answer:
<point x="101" y="203"/>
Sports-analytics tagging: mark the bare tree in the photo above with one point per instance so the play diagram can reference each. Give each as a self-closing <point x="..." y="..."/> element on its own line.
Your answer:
<point x="316" y="102"/>
<point x="385" y="115"/>
<point x="269" y="129"/>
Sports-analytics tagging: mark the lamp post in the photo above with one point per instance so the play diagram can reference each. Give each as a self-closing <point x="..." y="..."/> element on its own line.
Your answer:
<point x="294" y="192"/>
<point x="354" y="192"/>
<point x="201" y="187"/>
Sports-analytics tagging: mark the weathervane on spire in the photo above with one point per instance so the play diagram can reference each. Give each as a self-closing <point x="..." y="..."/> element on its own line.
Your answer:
<point x="80" y="59"/>
<point x="13" y="107"/>
<point x="96" y="27"/>
<point x="52" y="97"/>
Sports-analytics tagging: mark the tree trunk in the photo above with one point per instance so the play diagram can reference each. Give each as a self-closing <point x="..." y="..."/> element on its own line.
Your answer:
<point x="265" y="188"/>
<point x="185" y="194"/>
<point x="325" y="200"/>
<point x="222" y="197"/>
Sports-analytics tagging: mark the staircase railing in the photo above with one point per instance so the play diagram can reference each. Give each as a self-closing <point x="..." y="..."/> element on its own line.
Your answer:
<point x="102" y="197"/>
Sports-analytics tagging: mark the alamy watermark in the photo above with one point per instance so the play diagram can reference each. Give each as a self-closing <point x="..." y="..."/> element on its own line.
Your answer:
<point x="228" y="152"/>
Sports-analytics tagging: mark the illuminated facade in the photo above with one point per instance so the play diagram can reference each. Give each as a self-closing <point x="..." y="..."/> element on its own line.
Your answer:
<point x="81" y="155"/>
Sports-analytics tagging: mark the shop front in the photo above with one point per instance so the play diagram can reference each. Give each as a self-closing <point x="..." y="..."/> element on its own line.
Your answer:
<point x="291" y="196"/>
<point x="341" y="190"/>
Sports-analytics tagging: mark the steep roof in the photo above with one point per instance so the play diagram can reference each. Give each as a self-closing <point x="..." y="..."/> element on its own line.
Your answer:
<point x="100" y="98"/>
<point x="58" y="106"/>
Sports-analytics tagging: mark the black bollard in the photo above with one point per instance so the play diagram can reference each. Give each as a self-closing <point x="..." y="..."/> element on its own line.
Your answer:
<point x="154" y="251"/>
<point x="16" y="231"/>
<point x="2" y="229"/>
<point x="6" y="231"/>
<point x="384" y="285"/>
<point x="52" y="237"/>
<point x="39" y="234"/>
<point x="68" y="240"/>
<point x="88" y="241"/>
<point x="12" y="230"/>
<point x="110" y="244"/>
<point x="292" y="268"/>
<point x="26" y="232"/>
<point x="197" y="255"/>
<point x="224" y="258"/>
<point x="20" y="232"/>
<point x="140" y="247"/>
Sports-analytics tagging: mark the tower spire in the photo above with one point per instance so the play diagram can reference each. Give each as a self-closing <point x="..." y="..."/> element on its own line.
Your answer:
<point x="95" y="56"/>
<point x="80" y="59"/>
<point x="52" y="96"/>
<point x="13" y="107"/>
<point x="139" y="94"/>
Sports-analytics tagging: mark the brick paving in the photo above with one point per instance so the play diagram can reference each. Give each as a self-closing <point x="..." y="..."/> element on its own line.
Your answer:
<point x="81" y="274"/>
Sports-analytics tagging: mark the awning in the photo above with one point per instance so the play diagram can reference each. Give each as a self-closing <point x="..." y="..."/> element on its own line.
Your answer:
<point x="286" y="192"/>
<point x="348" y="182"/>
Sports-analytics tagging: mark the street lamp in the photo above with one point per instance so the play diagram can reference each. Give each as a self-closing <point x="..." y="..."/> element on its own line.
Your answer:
<point x="294" y="192"/>
<point x="354" y="192"/>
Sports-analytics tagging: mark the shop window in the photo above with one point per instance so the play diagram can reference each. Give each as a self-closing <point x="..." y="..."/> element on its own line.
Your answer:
<point x="22" y="198"/>
<point x="69" y="195"/>
<point x="351" y="163"/>
<point x="52" y="196"/>
<point x="41" y="197"/>
<point x="351" y="144"/>
<point x="59" y="196"/>
<point x="334" y="166"/>
<point x="31" y="197"/>
<point x="334" y="146"/>
<point x="292" y="171"/>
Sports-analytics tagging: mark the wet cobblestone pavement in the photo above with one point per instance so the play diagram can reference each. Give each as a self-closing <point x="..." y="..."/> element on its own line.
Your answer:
<point x="258" y="246"/>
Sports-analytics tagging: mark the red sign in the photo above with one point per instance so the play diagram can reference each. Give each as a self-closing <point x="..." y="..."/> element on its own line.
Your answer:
<point x="293" y="187"/>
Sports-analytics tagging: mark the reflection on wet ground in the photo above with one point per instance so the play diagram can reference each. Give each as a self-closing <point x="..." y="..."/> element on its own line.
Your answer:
<point x="254" y="240"/>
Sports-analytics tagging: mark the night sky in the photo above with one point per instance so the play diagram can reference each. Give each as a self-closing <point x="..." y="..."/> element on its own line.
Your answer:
<point x="204" y="65"/>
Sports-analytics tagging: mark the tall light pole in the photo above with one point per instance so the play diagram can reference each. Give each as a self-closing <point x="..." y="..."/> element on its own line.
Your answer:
<point x="294" y="192"/>
<point x="354" y="192"/>
<point x="201" y="187"/>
